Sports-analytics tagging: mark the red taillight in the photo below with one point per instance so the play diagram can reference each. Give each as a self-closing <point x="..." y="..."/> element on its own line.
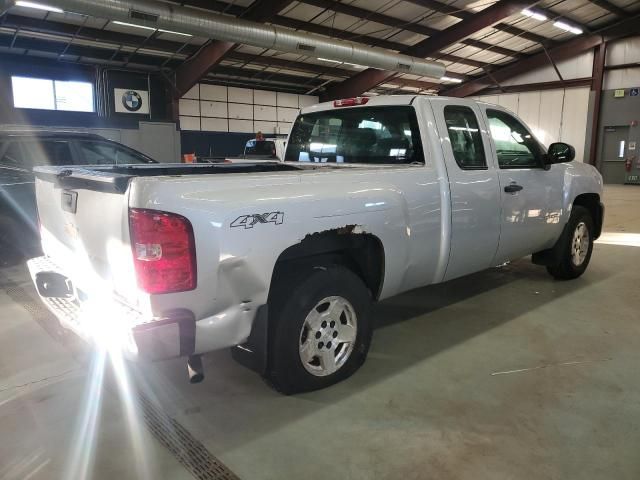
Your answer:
<point x="164" y="252"/>
<point x="350" y="102"/>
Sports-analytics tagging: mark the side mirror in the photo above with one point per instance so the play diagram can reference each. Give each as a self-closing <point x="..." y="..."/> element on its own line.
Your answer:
<point x="560" y="152"/>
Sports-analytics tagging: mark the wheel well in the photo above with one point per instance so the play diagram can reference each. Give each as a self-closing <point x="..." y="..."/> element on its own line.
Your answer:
<point x="591" y="201"/>
<point x="363" y="253"/>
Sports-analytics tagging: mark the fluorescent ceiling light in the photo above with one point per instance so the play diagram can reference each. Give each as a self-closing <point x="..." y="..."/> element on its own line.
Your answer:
<point x="175" y="33"/>
<point x="532" y="14"/>
<point x="329" y="60"/>
<point x="38" y="6"/>
<point x="125" y="24"/>
<point x="449" y="79"/>
<point x="567" y="28"/>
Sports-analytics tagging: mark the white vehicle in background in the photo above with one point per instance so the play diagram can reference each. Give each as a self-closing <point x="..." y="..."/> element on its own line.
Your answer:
<point x="267" y="150"/>
<point x="282" y="261"/>
<point x="273" y="148"/>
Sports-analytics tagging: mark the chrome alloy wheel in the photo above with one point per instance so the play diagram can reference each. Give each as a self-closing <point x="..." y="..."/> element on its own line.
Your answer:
<point x="580" y="244"/>
<point x="328" y="336"/>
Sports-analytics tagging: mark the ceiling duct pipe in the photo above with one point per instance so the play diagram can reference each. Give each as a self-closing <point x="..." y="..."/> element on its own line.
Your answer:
<point x="199" y="23"/>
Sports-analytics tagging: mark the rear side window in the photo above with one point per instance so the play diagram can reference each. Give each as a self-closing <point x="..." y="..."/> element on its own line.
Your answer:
<point x="465" y="137"/>
<point x="515" y="146"/>
<point x="378" y="135"/>
<point x="12" y="156"/>
<point x="48" y="152"/>
<point x="105" y="153"/>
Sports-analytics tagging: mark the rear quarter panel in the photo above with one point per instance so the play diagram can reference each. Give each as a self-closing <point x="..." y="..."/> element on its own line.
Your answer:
<point x="399" y="205"/>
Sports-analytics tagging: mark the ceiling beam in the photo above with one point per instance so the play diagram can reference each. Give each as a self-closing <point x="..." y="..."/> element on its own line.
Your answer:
<point x="189" y="73"/>
<point x="371" y="77"/>
<point x="367" y="40"/>
<point x="611" y="8"/>
<point x="92" y="34"/>
<point x="563" y="51"/>
<point x="463" y="14"/>
<point x="408" y="26"/>
<point x="530" y="87"/>
<point x="320" y="69"/>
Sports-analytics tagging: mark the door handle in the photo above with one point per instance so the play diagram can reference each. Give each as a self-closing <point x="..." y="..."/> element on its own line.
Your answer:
<point x="513" y="188"/>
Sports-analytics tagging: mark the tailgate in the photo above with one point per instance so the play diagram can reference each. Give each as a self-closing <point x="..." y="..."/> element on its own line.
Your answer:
<point x="85" y="229"/>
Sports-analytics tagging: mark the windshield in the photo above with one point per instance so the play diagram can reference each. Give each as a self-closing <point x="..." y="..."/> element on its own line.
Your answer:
<point x="380" y="135"/>
<point x="260" y="147"/>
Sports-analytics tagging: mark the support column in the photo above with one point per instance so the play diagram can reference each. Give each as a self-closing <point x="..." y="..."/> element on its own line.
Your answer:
<point x="596" y="87"/>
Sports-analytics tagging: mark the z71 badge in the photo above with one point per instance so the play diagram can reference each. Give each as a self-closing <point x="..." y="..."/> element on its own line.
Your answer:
<point x="248" y="221"/>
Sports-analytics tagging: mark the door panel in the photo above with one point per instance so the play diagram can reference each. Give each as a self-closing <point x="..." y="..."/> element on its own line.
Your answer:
<point x="531" y="197"/>
<point x="473" y="181"/>
<point x="614" y="152"/>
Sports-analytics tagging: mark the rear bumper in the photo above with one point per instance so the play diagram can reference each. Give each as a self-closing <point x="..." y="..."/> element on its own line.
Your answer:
<point x="112" y="324"/>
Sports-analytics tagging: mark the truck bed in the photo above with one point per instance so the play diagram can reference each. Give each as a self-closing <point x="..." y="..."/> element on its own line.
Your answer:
<point x="115" y="178"/>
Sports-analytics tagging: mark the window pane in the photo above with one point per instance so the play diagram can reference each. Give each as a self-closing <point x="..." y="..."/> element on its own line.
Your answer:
<point x="260" y="147"/>
<point x="12" y="157"/>
<point x="621" y="149"/>
<point x="378" y="135"/>
<point x="465" y="137"/>
<point x="105" y="153"/>
<point x="74" y="96"/>
<point x="32" y="93"/>
<point x="515" y="146"/>
<point x="48" y="152"/>
<point x="97" y="153"/>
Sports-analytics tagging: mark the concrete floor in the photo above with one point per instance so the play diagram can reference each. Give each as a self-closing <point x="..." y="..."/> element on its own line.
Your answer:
<point x="502" y="375"/>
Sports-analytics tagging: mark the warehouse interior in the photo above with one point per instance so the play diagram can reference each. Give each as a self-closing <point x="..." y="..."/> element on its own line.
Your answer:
<point x="505" y="373"/>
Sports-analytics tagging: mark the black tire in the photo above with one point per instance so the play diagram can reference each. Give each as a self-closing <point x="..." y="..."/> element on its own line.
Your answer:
<point x="567" y="268"/>
<point x="289" y="307"/>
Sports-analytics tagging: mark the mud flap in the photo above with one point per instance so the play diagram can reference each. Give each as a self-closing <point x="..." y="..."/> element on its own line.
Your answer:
<point x="254" y="353"/>
<point x="553" y="255"/>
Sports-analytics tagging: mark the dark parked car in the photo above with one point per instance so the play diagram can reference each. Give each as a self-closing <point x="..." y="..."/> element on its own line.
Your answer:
<point x="20" y="151"/>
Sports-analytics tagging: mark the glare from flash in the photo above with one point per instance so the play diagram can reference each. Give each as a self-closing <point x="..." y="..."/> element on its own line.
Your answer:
<point x="103" y="322"/>
<point x="620" y="238"/>
<point x="80" y="462"/>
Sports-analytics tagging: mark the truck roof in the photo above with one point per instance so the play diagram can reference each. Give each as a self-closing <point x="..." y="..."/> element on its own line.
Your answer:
<point x="383" y="100"/>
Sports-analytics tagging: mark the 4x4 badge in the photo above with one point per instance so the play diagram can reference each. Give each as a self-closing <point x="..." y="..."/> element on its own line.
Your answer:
<point x="248" y="221"/>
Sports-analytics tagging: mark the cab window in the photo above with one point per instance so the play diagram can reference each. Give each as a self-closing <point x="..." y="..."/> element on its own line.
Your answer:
<point x="515" y="146"/>
<point x="374" y="135"/>
<point x="465" y="137"/>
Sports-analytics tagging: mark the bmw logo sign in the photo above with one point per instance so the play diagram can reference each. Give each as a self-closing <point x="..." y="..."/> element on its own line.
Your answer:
<point x="131" y="100"/>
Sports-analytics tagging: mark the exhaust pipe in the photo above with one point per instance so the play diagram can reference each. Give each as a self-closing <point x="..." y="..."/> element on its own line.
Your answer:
<point x="195" y="369"/>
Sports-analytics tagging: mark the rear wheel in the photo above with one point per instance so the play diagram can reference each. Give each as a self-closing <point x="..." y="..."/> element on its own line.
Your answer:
<point x="576" y="246"/>
<point x="321" y="331"/>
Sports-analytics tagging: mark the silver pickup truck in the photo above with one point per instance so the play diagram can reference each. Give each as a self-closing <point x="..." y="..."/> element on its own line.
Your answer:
<point x="282" y="261"/>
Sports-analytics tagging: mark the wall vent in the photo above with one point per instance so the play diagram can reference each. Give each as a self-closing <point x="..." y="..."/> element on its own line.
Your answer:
<point x="306" y="48"/>
<point x="146" y="17"/>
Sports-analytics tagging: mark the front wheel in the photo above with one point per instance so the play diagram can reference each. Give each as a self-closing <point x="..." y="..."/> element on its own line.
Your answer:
<point x="322" y="330"/>
<point x="576" y="246"/>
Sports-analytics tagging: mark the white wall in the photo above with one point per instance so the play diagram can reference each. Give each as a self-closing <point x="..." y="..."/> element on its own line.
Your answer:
<point x="577" y="67"/>
<point x="619" y="53"/>
<point x="217" y="108"/>
<point x="553" y="115"/>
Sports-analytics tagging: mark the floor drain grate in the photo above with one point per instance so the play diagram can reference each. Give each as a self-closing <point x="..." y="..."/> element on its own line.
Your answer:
<point x="192" y="454"/>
